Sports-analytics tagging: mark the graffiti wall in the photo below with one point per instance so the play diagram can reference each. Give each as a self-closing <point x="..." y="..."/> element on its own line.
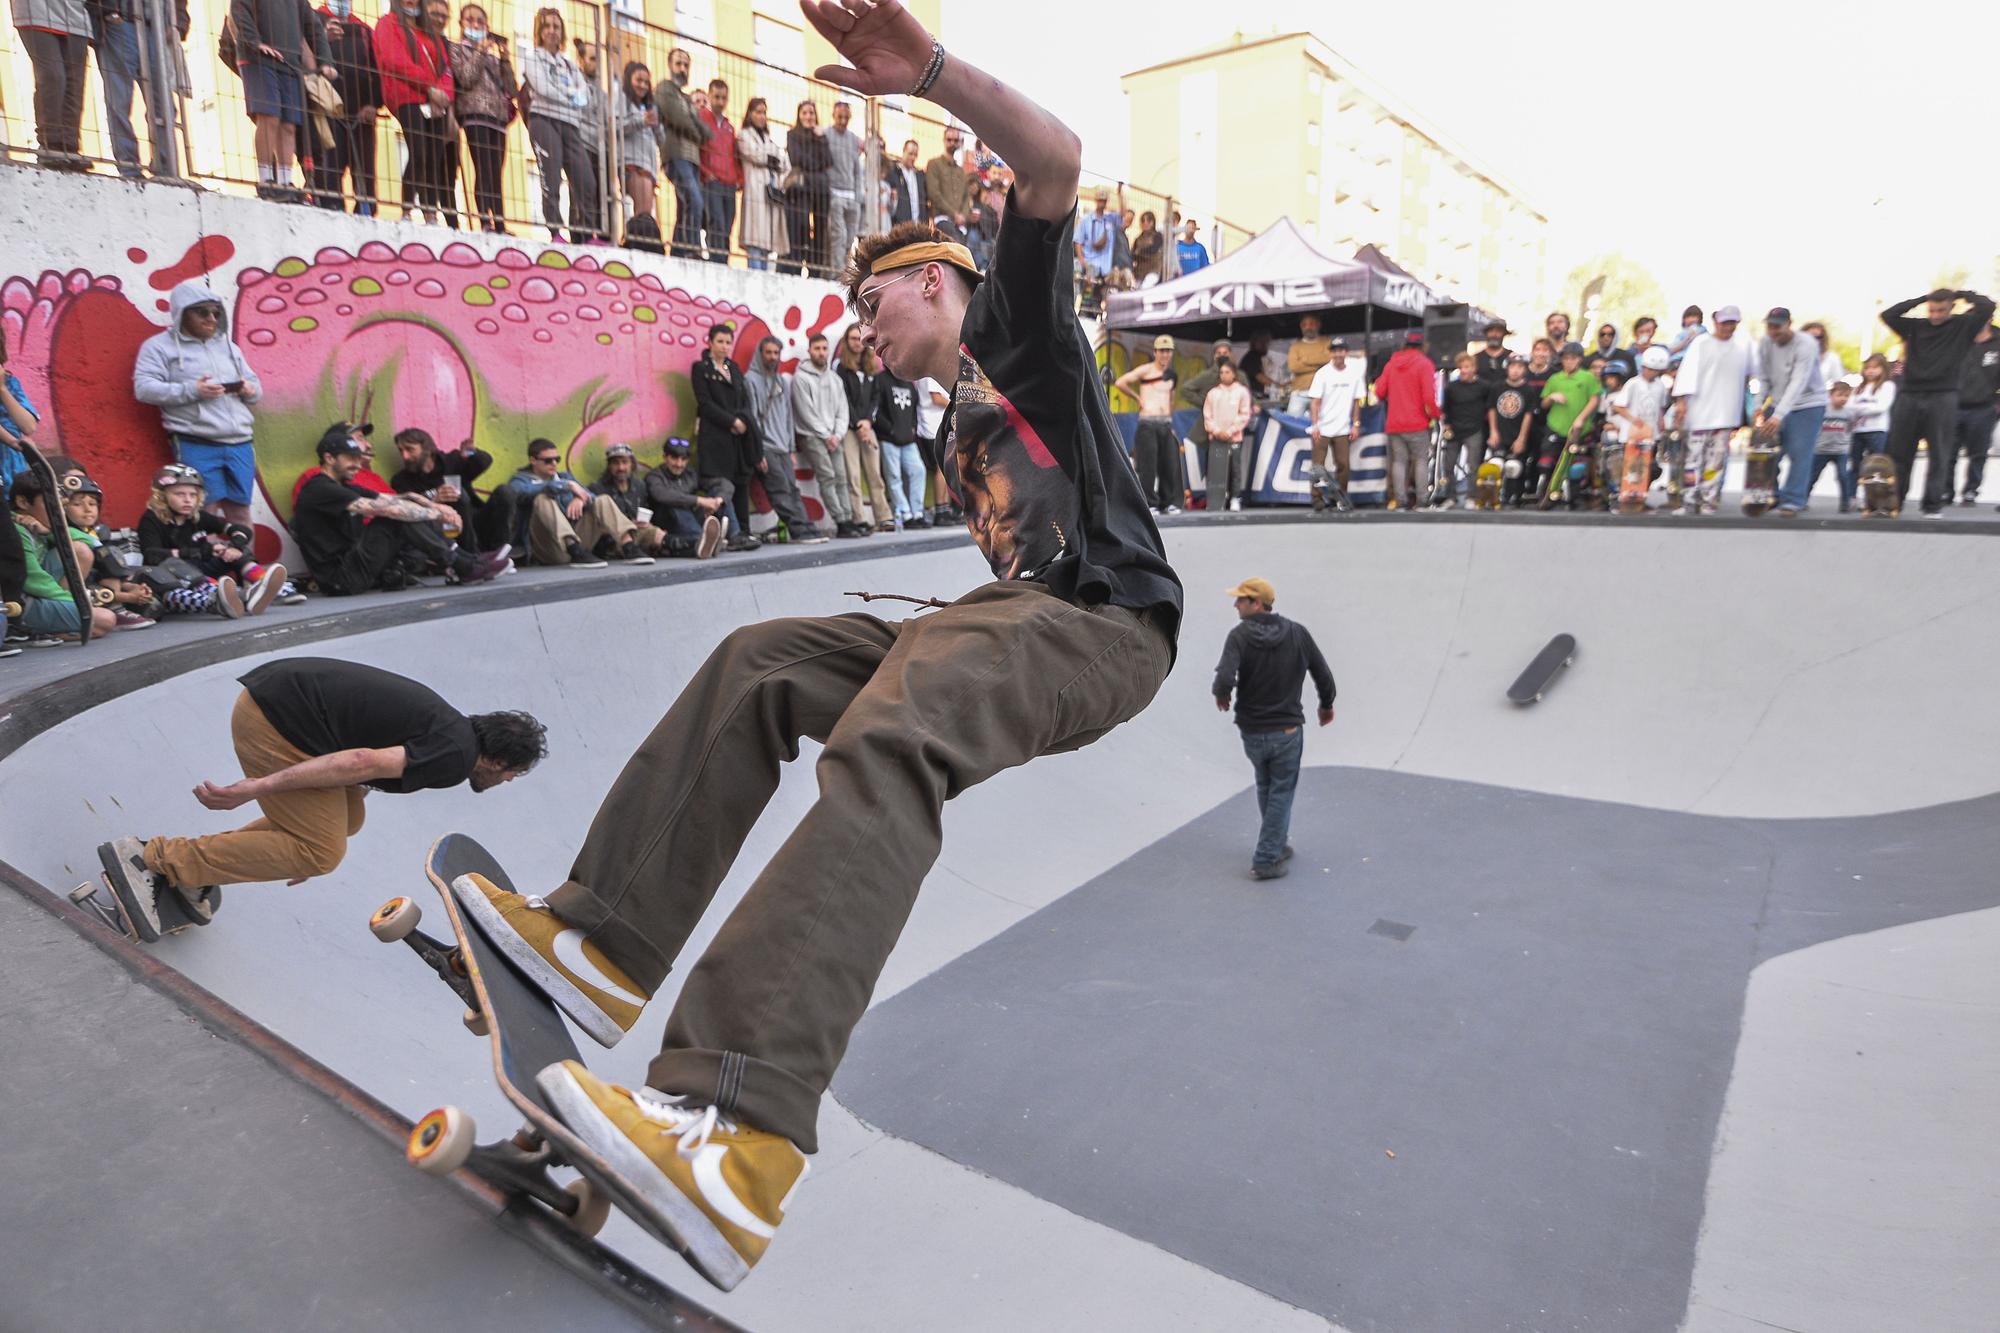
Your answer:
<point x="487" y="339"/>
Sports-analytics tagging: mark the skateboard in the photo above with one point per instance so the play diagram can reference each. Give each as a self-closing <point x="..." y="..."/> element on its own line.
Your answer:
<point x="1558" y="476"/>
<point x="52" y="505"/>
<point x="1635" y="476"/>
<point x="1533" y="682"/>
<point x="527" y="1035"/>
<point x="1327" y="494"/>
<point x="1878" y="487"/>
<point x="169" y="913"/>
<point x="1760" y="471"/>
<point x="1486" y="486"/>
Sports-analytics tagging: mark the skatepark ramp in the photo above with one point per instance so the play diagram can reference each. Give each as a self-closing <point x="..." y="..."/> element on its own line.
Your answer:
<point x="1665" y="1003"/>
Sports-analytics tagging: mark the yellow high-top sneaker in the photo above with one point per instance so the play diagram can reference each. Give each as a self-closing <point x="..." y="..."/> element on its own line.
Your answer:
<point x="715" y="1188"/>
<point x="570" y="970"/>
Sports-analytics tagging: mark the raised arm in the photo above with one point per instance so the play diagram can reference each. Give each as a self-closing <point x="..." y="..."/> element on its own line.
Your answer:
<point x="887" y="52"/>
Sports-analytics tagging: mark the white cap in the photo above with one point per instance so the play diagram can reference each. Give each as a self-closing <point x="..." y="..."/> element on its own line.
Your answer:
<point x="1729" y="314"/>
<point x="1654" y="358"/>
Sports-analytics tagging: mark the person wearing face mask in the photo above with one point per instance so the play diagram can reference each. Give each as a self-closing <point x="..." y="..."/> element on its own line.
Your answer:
<point x="557" y="100"/>
<point x="682" y="136"/>
<point x="483" y="76"/>
<point x="359" y="82"/>
<point x="417" y="88"/>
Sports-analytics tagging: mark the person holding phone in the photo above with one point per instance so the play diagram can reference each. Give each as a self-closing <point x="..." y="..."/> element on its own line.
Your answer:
<point x="204" y="388"/>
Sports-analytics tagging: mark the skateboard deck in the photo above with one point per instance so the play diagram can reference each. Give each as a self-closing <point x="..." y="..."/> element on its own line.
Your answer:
<point x="58" y="521"/>
<point x="171" y="911"/>
<point x="526" y="1034"/>
<point x="1327" y="495"/>
<point x="1760" y="471"/>
<point x="1878" y="487"/>
<point x="1486" y="485"/>
<point x="1533" y="682"/>
<point x="1558" y="475"/>
<point x="1635" y="477"/>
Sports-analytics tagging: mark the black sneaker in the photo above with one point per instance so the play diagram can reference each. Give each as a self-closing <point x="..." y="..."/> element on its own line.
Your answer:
<point x="742" y="543"/>
<point x="1275" y="870"/>
<point x="580" y="558"/>
<point x="629" y="552"/>
<point x="846" y="531"/>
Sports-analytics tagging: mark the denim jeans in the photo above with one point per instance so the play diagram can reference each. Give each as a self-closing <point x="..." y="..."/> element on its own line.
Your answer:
<point x="1796" y="436"/>
<point x="718" y="215"/>
<point x="760" y="258"/>
<point x="1274" y="757"/>
<point x="686" y="178"/>
<point x="118" y="68"/>
<point x="903" y="469"/>
<point x="1838" y="462"/>
<point x="1865" y="442"/>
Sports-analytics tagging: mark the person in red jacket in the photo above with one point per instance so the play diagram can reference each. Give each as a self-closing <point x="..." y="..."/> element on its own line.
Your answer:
<point x="1407" y="389"/>
<point x="721" y="177"/>
<point x="417" y="90"/>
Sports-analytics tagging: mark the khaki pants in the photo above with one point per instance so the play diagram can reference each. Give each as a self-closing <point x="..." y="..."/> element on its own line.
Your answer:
<point x="301" y="833"/>
<point x="865" y="460"/>
<point x="550" y="531"/>
<point x="911" y="714"/>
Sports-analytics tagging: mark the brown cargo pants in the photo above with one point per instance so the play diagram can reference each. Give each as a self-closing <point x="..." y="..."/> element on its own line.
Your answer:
<point x="911" y="714"/>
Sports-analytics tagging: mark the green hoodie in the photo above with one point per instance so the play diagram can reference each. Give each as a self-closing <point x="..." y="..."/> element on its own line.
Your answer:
<point x="40" y="582"/>
<point x="1577" y="387"/>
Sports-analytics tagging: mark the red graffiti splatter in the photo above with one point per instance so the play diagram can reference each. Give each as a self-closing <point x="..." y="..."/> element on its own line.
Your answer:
<point x="792" y="318"/>
<point x="136" y="255"/>
<point x="204" y="256"/>
<point x="830" y="308"/>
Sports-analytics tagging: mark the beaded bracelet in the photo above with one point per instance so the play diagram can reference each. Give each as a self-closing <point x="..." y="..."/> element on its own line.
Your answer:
<point x="932" y="70"/>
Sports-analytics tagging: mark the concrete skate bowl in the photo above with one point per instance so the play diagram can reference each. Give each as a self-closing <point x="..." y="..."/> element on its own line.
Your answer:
<point x="1662" y="1003"/>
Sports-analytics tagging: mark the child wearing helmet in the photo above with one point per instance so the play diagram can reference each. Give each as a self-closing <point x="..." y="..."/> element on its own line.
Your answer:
<point x="132" y="602"/>
<point x="215" y="571"/>
<point x="1638" y="407"/>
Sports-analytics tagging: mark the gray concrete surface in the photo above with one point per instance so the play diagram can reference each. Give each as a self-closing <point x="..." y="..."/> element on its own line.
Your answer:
<point x="1729" y="670"/>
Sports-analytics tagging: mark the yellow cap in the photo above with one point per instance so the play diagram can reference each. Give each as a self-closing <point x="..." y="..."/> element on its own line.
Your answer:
<point x="1257" y="589"/>
<point x="1163" y="343"/>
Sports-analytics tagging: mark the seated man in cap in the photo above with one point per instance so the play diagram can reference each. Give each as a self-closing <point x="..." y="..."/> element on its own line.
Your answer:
<point x="624" y="487"/>
<point x="567" y="525"/>
<point x="355" y="540"/>
<point x="693" y="519"/>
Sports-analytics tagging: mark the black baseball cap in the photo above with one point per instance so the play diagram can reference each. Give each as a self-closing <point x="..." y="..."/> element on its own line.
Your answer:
<point x="1779" y="315"/>
<point x="339" y="438"/>
<point x="1341" y="343"/>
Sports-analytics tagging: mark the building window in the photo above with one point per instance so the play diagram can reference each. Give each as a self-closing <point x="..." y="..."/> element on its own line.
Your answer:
<point x="1312" y="183"/>
<point x="1312" y="83"/>
<point x="695" y="19"/>
<point x="629" y="15"/>
<point x="777" y="43"/>
<point x="1312" y="134"/>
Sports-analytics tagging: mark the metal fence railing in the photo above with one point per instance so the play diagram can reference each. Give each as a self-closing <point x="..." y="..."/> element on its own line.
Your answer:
<point x="214" y="142"/>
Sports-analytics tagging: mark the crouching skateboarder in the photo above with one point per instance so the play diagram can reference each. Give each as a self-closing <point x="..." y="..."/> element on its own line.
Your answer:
<point x="314" y="736"/>
<point x="1073" y="638"/>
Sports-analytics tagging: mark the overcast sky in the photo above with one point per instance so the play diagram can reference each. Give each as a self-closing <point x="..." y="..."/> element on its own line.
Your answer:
<point x="1737" y="148"/>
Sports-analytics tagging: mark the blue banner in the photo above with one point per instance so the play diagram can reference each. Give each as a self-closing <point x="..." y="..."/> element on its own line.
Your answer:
<point x="1279" y="469"/>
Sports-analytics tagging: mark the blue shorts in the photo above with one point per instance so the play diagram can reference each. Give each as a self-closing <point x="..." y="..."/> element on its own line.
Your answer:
<point x="228" y="471"/>
<point x="272" y="90"/>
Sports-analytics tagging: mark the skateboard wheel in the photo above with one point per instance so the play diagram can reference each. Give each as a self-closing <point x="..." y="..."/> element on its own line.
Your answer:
<point x="395" y="919"/>
<point x="593" y="1207"/>
<point x="441" y="1142"/>
<point x="475" y="1023"/>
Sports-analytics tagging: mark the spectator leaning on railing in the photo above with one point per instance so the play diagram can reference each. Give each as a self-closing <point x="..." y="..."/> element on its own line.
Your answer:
<point x="721" y="176"/>
<point x="844" y="182"/>
<point x="557" y="99"/>
<point x="56" y="36"/>
<point x="278" y="42"/>
<point x="639" y="146"/>
<point x="806" y="191"/>
<point x="417" y="88"/>
<point x="122" y="29"/>
<point x="909" y="192"/>
<point x="763" y="164"/>
<point x="359" y="82"/>
<point x="948" y="185"/>
<point x="682" y="136"/>
<point x="483" y="100"/>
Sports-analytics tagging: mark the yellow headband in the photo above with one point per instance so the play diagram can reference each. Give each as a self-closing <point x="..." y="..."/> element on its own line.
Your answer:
<point x="925" y="252"/>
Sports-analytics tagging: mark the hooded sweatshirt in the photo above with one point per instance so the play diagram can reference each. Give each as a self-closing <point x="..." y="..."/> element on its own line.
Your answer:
<point x="819" y="401"/>
<point x="1264" y="662"/>
<point x="1408" y="385"/>
<point x="771" y="400"/>
<point x="170" y="365"/>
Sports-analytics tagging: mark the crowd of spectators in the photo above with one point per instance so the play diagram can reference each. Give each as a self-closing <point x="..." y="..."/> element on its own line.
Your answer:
<point x="867" y="439"/>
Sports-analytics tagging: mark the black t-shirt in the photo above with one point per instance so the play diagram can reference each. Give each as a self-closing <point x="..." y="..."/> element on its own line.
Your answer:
<point x="1031" y="453"/>
<point x="1491" y="366"/>
<point x="461" y="467"/>
<point x="1512" y="402"/>
<point x="324" y="706"/>
<point x="321" y="524"/>
<point x="1465" y="403"/>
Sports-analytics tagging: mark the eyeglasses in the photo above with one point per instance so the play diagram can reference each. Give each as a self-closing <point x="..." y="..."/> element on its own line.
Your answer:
<point x="545" y="458"/>
<point x="869" y="304"/>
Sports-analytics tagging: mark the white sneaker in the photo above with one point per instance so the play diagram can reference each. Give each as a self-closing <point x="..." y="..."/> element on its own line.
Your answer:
<point x="1235" y="506"/>
<point x="1173" y="509"/>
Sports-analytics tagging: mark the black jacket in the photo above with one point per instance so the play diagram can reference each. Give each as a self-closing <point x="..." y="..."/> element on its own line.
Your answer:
<point x="192" y="539"/>
<point x="895" y="412"/>
<point x="359" y="82"/>
<point x="1264" y="663"/>
<point x="1979" y="384"/>
<point x="1934" y="354"/>
<point x="900" y="207"/>
<point x="860" y="386"/>
<point x="722" y="397"/>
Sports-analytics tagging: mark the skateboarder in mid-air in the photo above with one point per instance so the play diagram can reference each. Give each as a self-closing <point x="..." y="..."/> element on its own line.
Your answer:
<point x="315" y="735"/>
<point x="1073" y="637"/>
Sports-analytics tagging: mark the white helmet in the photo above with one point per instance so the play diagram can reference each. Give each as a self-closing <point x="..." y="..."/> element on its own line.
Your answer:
<point x="1654" y="358"/>
<point x="1512" y="467"/>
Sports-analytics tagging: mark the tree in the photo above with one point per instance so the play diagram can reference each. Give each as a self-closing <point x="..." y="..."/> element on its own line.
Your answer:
<point x="1628" y="291"/>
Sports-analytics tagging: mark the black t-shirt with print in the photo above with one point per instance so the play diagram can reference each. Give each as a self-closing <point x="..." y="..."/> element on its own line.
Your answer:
<point x="1512" y="402"/>
<point x="324" y="706"/>
<point x="1031" y="453"/>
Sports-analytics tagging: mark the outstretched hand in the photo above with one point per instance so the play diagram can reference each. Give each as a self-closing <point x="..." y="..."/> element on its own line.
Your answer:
<point x="217" y="797"/>
<point x="885" y="48"/>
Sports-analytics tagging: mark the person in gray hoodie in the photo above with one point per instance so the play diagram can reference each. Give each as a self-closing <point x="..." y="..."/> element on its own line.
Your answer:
<point x="204" y="388"/>
<point x="844" y="183"/>
<point x="1795" y="394"/>
<point x="771" y="403"/>
<point x="819" y="420"/>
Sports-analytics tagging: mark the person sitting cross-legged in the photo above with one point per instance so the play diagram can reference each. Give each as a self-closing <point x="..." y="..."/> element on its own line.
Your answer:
<point x="567" y="525"/>
<point x="356" y="541"/>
